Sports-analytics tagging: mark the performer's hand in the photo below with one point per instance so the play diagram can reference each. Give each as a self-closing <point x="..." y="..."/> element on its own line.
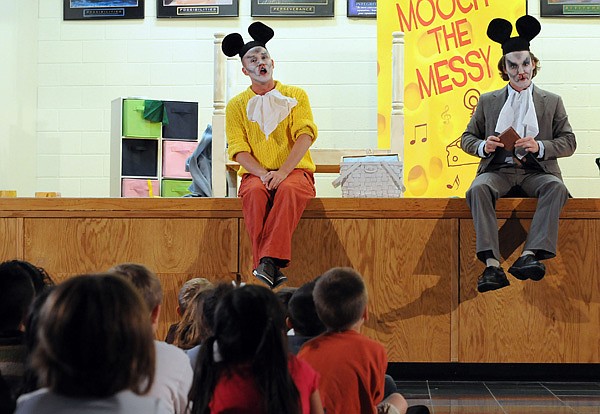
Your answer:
<point x="491" y="143"/>
<point x="274" y="178"/>
<point x="529" y="144"/>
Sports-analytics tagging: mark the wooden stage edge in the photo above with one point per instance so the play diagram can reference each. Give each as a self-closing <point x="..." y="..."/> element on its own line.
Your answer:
<point x="417" y="257"/>
<point x="317" y="208"/>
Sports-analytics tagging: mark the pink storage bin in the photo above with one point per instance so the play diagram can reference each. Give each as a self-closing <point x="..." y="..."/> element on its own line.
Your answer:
<point x="131" y="187"/>
<point x="175" y="154"/>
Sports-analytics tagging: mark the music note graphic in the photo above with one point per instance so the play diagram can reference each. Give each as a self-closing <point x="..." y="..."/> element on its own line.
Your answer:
<point x="456" y="182"/>
<point x="445" y="115"/>
<point x="420" y="134"/>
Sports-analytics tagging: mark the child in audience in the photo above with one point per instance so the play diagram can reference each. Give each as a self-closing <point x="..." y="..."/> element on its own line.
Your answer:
<point x="204" y="317"/>
<point x="39" y="277"/>
<point x="352" y="366"/>
<point x="17" y="291"/>
<point x="189" y="332"/>
<point x="284" y="295"/>
<point x="187" y="292"/>
<point x="206" y="313"/>
<point x="173" y="377"/>
<point x="305" y="323"/>
<point x="30" y="379"/>
<point x="244" y="367"/>
<point x="302" y="317"/>
<point x="95" y="352"/>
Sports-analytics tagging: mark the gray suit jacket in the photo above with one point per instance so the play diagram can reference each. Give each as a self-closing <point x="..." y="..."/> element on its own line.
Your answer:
<point x="555" y="130"/>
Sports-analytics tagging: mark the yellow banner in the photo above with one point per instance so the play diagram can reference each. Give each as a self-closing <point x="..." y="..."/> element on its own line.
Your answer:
<point x="448" y="63"/>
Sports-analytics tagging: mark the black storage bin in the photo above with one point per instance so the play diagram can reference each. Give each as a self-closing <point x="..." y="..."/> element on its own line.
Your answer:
<point x="183" y="120"/>
<point x="140" y="157"/>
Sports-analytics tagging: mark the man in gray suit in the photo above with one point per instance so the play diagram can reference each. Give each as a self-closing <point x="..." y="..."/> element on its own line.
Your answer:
<point x="540" y="119"/>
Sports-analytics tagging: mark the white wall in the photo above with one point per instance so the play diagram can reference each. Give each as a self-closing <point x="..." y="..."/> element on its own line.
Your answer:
<point x="569" y="51"/>
<point x="83" y="65"/>
<point x="18" y="89"/>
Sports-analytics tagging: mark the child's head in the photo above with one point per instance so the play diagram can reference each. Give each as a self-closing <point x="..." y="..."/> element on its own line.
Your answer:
<point x="189" y="290"/>
<point x="39" y="277"/>
<point x="205" y="314"/>
<point x="340" y="298"/>
<point x="94" y="338"/>
<point x="284" y="295"/>
<point x="249" y="324"/>
<point x="145" y="281"/>
<point x="248" y="336"/>
<point x="16" y="294"/>
<point x="188" y="333"/>
<point x="302" y="313"/>
<point x="198" y="320"/>
<point x="20" y="282"/>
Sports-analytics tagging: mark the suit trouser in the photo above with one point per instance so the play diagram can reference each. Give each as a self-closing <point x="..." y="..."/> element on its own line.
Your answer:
<point x="489" y="186"/>
<point x="271" y="216"/>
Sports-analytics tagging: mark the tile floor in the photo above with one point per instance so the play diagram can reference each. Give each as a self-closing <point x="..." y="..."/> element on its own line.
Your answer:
<point x="494" y="397"/>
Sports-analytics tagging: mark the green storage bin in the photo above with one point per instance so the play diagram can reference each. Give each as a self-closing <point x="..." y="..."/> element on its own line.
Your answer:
<point x="175" y="188"/>
<point x="134" y="124"/>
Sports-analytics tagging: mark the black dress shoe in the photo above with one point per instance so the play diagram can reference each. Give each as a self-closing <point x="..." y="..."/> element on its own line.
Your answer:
<point x="492" y="278"/>
<point x="527" y="267"/>
<point x="280" y="278"/>
<point x="266" y="271"/>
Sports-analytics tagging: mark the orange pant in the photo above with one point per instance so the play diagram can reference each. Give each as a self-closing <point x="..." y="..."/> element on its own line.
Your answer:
<point x="271" y="216"/>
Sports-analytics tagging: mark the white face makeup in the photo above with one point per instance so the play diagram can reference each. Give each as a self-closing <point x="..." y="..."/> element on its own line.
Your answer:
<point x="519" y="69"/>
<point x="258" y="65"/>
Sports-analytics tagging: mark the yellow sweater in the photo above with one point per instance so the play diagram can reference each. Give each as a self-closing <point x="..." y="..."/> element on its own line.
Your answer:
<point x="244" y="135"/>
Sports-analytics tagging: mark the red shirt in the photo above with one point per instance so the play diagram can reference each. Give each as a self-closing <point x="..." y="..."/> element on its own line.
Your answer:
<point x="237" y="393"/>
<point x="352" y="369"/>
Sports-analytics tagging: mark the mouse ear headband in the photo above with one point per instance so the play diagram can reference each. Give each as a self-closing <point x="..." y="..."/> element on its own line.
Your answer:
<point x="499" y="30"/>
<point x="233" y="44"/>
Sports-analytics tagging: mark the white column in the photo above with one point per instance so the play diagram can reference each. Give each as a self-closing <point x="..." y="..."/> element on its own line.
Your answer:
<point x="397" y="116"/>
<point x="219" y="170"/>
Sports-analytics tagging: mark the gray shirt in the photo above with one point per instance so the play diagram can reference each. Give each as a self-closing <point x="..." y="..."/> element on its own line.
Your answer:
<point x="44" y="401"/>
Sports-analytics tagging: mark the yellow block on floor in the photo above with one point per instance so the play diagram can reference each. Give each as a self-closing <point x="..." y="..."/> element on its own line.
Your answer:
<point x="8" y="193"/>
<point x="45" y="194"/>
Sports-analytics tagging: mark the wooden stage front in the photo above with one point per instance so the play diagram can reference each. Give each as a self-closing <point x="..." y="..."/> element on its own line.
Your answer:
<point x="417" y="257"/>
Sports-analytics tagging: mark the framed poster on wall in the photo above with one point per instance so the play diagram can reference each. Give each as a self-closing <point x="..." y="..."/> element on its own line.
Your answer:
<point x="362" y="8"/>
<point x="197" y="8"/>
<point x="292" y="8"/>
<point x="570" y="8"/>
<point x="102" y="9"/>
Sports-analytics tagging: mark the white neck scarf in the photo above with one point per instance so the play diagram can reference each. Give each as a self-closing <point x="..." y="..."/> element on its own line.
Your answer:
<point x="269" y="110"/>
<point x="519" y="112"/>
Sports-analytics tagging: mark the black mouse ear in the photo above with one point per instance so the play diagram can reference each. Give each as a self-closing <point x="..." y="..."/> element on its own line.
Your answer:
<point x="528" y="27"/>
<point x="260" y="32"/>
<point x="499" y="30"/>
<point x="232" y="44"/>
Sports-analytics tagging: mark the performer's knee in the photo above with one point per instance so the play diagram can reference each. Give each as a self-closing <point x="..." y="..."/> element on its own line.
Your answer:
<point x="252" y="189"/>
<point x="287" y="190"/>
<point x="555" y="188"/>
<point x="479" y="192"/>
<point x="295" y="188"/>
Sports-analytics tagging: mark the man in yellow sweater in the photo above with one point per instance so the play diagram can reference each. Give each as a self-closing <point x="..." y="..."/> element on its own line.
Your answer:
<point x="269" y="130"/>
